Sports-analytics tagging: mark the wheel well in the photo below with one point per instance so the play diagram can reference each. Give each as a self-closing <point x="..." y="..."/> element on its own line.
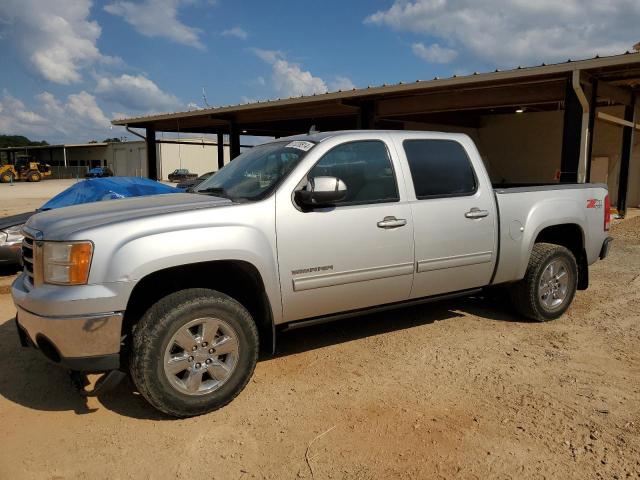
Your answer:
<point x="238" y="279"/>
<point x="569" y="235"/>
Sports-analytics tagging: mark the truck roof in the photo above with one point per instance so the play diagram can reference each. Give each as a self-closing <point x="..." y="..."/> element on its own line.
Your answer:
<point x="321" y="136"/>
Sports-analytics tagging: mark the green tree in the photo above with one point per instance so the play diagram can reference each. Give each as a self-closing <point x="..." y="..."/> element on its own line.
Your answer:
<point x="18" y="141"/>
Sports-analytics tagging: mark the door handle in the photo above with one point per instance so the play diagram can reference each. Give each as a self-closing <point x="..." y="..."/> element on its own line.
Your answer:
<point x="391" y="222"/>
<point x="475" y="212"/>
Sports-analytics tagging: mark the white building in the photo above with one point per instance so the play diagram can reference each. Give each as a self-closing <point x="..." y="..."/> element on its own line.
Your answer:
<point x="198" y="155"/>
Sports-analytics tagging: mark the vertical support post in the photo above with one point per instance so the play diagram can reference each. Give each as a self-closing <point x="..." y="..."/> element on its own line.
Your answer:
<point x="234" y="140"/>
<point x="366" y="116"/>
<point x="64" y="155"/>
<point x="571" y="136"/>
<point x="53" y="168"/>
<point x="220" y="150"/>
<point x="625" y="156"/>
<point x="152" y="156"/>
<point x="592" y="125"/>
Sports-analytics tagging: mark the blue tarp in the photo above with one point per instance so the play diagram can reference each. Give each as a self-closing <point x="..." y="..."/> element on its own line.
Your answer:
<point x="98" y="189"/>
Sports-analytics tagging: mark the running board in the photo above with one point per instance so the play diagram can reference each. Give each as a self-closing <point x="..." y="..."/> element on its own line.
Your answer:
<point x="381" y="308"/>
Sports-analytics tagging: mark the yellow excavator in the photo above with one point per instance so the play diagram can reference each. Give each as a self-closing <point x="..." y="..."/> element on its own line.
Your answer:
<point x="26" y="168"/>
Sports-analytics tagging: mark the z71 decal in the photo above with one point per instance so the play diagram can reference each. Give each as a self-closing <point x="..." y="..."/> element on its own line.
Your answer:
<point x="594" y="203"/>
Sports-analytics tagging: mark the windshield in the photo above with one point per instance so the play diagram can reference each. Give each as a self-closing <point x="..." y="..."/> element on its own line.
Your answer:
<point x="255" y="173"/>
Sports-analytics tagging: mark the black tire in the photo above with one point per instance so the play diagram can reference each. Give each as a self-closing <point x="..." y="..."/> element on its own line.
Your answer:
<point x="156" y="328"/>
<point x="6" y="177"/>
<point x="526" y="295"/>
<point x="34" y="177"/>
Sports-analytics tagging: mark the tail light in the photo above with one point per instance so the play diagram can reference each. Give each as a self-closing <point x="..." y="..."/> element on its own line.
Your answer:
<point x="607" y="213"/>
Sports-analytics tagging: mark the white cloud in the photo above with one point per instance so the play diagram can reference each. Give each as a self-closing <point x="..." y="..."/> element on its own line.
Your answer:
<point x="157" y="18"/>
<point x="508" y="32"/>
<point x="55" y="37"/>
<point x="434" y="53"/>
<point x="236" y="32"/>
<point x="290" y="80"/>
<point x="84" y="106"/>
<point x="137" y="93"/>
<point x="76" y="120"/>
<point x="14" y="109"/>
<point x="341" y="83"/>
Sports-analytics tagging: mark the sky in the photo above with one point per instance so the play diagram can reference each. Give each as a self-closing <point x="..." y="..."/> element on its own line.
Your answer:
<point x="68" y="67"/>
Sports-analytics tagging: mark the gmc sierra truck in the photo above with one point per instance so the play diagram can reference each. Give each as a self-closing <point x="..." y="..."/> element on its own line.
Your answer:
<point x="182" y="291"/>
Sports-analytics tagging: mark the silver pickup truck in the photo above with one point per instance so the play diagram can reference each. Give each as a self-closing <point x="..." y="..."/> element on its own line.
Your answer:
<point x="182" y="291"/>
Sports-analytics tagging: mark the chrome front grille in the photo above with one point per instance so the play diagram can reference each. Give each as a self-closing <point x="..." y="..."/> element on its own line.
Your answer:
<point x="28" y="251"/>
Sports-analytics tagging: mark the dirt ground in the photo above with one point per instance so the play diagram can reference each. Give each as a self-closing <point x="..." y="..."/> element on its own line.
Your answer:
<point x="26" y="196"/>
<point x="462" y="389"/>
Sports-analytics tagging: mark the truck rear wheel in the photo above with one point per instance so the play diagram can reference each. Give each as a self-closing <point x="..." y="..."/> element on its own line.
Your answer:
<point x="549" y="284"/>
<point x="193" y="352"/>
<point x="6" y="177"/>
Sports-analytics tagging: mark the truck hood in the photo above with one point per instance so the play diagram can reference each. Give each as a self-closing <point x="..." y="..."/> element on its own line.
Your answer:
<point x="61" y="224"/>
<point x="14" y="220"/>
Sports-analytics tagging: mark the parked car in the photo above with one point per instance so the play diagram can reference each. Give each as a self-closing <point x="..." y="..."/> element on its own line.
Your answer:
<point x="99" y="172"/>
<point x="182" y="291"/>
<point x="11" y="238"/>
<point x="187" y="184"/>
<point x="181" y="174"/>
<point x="85" y="191"/>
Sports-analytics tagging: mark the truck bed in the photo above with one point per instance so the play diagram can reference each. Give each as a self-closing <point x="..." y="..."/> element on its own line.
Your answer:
<point x="536" y="187"/>
<point x="526" y="209"/>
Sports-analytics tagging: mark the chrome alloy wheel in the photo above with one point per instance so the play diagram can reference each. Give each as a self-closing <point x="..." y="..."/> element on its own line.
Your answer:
<point x="201" y="356"/>
<point x="554" y="284"/>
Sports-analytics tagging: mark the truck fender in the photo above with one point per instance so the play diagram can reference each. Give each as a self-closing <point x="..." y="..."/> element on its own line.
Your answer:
<point x="135" y="258"/>
<point x="547" y="213"/>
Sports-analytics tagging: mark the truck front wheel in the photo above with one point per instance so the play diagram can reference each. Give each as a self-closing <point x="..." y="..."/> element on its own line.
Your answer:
<point x="193" y="352"/>
<point x="549" y="284"/>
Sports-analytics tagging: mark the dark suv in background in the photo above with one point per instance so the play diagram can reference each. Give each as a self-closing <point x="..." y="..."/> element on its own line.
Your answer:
<point x="182" y="174"/>
<point x="99" y="172"/>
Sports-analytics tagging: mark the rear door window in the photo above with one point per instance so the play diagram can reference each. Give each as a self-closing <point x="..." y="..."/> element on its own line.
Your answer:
<point x="439" y="168"/>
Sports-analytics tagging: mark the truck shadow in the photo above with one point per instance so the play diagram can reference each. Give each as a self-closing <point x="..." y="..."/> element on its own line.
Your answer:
<point x="28" y="379"/>
<point x="323" y="335"/>
<point x="9" y="270"/>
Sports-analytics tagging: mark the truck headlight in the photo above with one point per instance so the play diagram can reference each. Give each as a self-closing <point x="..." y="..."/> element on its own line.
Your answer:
<point x="11" y="234"/>
<point x="66" y="263"/>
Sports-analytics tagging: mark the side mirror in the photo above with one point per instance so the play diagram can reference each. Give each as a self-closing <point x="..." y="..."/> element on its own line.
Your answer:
<point x="321" y="192"/>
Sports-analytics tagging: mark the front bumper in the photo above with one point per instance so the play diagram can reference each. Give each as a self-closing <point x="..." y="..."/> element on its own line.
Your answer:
<point x="89" y="343"/>
<point x="606" y="246"/>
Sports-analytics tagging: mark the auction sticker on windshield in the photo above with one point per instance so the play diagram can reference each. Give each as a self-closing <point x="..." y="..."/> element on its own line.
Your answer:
<point x="300" y="145"/>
